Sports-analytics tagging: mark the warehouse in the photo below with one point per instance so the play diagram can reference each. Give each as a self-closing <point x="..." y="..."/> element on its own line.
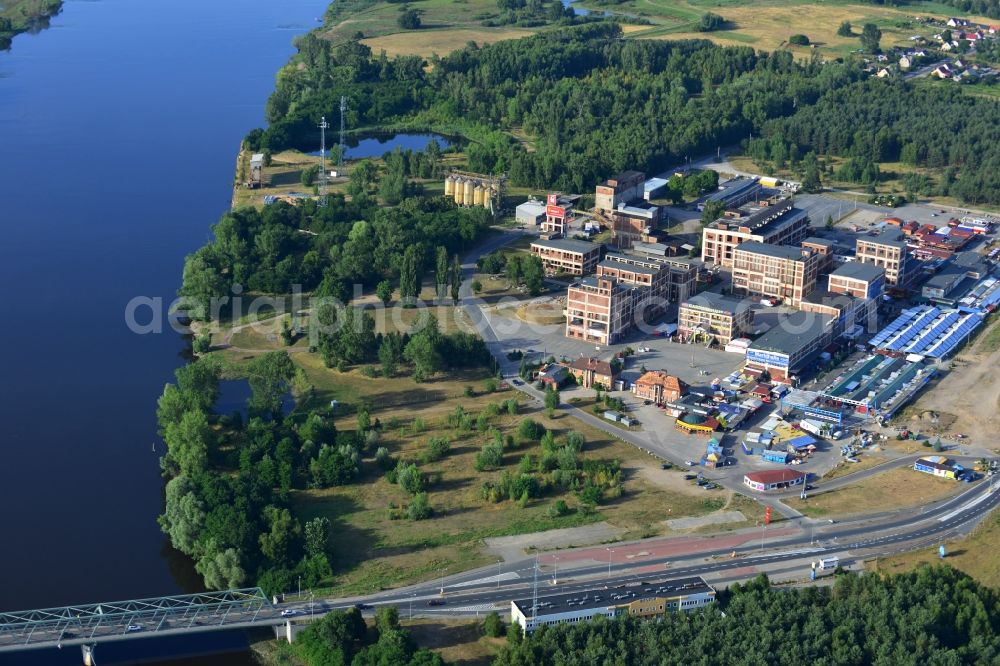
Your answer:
<point x="773" y="479"/>
<point x="790" y="345"/>
<point x="928" y="331"/>
<point x="648" y="599"/>
<point x="735" y="192"/>
<point x="531" y="212"/>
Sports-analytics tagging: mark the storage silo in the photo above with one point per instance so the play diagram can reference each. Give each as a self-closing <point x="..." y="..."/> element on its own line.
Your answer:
<point x="467" y="194"/>
<point x="458" y="189"/>
<point x="449" y="186"/>
<point x="478" y="194"/>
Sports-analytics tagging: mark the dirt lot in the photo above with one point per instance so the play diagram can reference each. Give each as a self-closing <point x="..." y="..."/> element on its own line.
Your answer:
<point x="969" y="395"/>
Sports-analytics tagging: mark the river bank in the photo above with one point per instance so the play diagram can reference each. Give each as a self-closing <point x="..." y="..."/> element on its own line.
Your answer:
<point x="19" y="16"/>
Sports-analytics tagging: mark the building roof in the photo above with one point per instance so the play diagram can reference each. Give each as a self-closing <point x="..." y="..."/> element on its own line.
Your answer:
<point x="601" y="597"/>
<point x="890" y="238"/>
<point x="661" y="378"/>
<point x="596" y="365"/>
<point x="693" y="419"/>
<point x="779" y="251"/>
<point x="733" y="188"/>
<point x="627" y="267"/>
<point x="769" y="476"/>
<point x="567" y="245"/>
<point x="793" y="332"/>
<point x="535" y="208"/>
<point x="816" y="240"/>
<point x="714" y="301"/>
<point x="857" y="270"/>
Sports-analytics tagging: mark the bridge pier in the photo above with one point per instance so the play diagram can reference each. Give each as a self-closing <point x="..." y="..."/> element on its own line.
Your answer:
<point x="88" y="654"/>
<point x="288" y="630"/>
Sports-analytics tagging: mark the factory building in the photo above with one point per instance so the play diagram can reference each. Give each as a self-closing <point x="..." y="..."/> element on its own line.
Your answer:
<point x="634" y="223"/>
<point x="888" y="251"/>
<point x="773" y="221"/>
<point x="824" y="248"/>
<point x="857" y="279"/>
<point x="623" y="188"/>
<point x="649" y="599"/>
<point x="566" y="255"/>
<point x="530" y="213"/>
<point x="777" y="271"/>
<point x="709" y="315"/>
<point x="735" y="192"/>
<point x="601" y="309"/>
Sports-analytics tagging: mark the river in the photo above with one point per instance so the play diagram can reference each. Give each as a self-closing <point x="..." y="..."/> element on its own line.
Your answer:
<point x="119" y="127"/>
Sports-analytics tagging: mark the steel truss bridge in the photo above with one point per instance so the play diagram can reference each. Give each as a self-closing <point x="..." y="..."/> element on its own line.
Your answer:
<point x="89" y="624"/>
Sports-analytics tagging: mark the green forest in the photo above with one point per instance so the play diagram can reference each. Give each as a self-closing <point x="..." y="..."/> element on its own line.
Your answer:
<point x="934" y="616"/>
<point x="17" y="16"/>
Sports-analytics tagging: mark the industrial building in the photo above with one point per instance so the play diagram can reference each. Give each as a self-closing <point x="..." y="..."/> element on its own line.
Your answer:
<point x="601" y="309"/>
<point x="857" y="279"/>
<point x="778" y="271"/>
<point x="473" y="189"/>
<point x="735" y="192"/>
<point x="634" y="223"/>
<point x="773" y="221"/>
<point x="659" y="387"/>
<point x="674" y="278"/>
<point x="938" y="466"/>
<point x="889" y="251"/>
<point x="648" y="599"/>
<point x="957" y="277"/>
<point x="623" y="188"/>
<point x="773" y="479"/>
<point x="876" y="384"/>
<point x="531" y="213"/>
<point x="709" y="316"/>
<point x="824" y="248"/>
<point x="567" y="255"/>
<point x="790" y="346"/>
<point x="928" y="331"/>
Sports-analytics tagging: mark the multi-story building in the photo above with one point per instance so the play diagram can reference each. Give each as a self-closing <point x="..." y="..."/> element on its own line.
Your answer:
<point x="567" y="255"/>
<point x="709" y="315"/>
<point x="846" y="309"/>
<point x="887" y="250"/>
<point x="659" y="387"/>
<point x="824" y="248"/>
<point x="773" y="221"/>
<point x="676" y="278"/>
<point x="635" y="223"/>
<point x="624" y="187"/>
<point x="778" y="271"/>
<point x="601" y="309"/>
<point x="857" y="279"/>
<point x="652" y="599"/>
<point x="558" y="215"/>
<point x="790" y="346"/>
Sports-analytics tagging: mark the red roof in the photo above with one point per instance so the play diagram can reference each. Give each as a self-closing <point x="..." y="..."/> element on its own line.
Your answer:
<point x="769" y="476"/>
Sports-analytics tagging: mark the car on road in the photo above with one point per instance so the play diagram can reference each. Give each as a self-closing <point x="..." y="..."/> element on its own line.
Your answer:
<point x="689" y="463"/>
<point x="809" y="486"/>
<point x="666" y="465"/>
<point x="690" y="477"/>
<point x="436" y="602"/>
<point x="647" y="402"/>
<point x="518" y="382"/>
<point x="132" y="628"/>
<point x="361" y="606"/>
<point x="291" y="612"/>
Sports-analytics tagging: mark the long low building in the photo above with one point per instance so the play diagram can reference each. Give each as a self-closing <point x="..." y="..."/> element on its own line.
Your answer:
<point x="648" y="599"/>
<point x="773" y="479"/>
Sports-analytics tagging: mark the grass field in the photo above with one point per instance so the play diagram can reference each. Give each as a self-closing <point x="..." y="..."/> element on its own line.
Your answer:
<point x="976" y="555"/>
<point x="427" y="42"/>
<point x="895" y="489"/>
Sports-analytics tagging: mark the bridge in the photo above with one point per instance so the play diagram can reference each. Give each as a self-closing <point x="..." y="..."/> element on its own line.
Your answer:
<point x="137" y="618"/>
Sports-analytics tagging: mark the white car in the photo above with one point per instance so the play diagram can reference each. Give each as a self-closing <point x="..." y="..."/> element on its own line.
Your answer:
<point x="133" y="627"/>
<point x="290" y="612"/>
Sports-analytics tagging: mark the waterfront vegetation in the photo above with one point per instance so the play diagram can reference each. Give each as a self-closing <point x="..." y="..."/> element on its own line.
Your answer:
<point x="17" y="16"/>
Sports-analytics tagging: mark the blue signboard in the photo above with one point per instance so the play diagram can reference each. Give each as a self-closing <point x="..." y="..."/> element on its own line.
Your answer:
<point x="767" y="358"/>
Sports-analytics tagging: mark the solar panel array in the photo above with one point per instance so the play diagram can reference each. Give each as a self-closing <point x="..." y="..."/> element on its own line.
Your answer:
<point x="928" y="330"/>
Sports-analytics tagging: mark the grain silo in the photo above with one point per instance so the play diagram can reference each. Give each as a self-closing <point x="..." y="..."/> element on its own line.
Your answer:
<point x="449" y="186"/>
<point x="467" y="193"/>
<point x="478" y="194"/>
<point x="458" y="189"/>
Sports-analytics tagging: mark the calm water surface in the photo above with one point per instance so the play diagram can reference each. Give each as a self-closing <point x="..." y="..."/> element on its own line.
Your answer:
<point x="119" y="127"/>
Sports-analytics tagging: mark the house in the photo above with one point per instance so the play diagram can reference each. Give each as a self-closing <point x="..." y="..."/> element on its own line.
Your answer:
<point x="553" y="375"/>
<point x="942" y="72"/>
<point x="905" y="62"/>
<point x="659" y="387"/>
<point x="938" y="466"/>
<point x="884" y="73"/>
<point x="773" y="479"/>
<point x="590" y="372"/>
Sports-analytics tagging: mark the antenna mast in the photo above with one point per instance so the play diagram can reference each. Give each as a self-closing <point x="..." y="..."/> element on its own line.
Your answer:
<point x="343" y="108"/>
<point x="323" y="125"/>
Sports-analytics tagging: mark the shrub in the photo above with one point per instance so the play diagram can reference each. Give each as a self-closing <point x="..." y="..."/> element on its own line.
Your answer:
<point x="710" y="22"/>
<point x="409" y="19"/>
<point x="799" y="40"/>
<point x="383" y="459"/>
<point x="492" y="386"/>
<point x="470" y="392"/>
<point x="559" y="508"/>
<point x="530" y="430"/>
<point x="437" y="448"/>
<point x="419" y="508"/>
<point x="489" y="457"/>
<point x="409" y="478"/>
<point x="493" y="626"/>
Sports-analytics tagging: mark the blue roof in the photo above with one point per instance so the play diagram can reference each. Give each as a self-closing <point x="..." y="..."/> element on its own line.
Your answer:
<point x="928" y="330"/>
<point x="801" y="442"/>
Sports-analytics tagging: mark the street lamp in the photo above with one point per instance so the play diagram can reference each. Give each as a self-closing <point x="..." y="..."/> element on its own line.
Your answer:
<point x="498" y="573"/>
<point x="443" y="572"/>
<point x="611" y="551"/>
<point x="555" y="574"/>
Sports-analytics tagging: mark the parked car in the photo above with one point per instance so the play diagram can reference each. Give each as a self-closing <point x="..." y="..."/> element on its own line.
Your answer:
<point x="518" y="382"/>
<point x="690" y="463"/>
<point x="666" y="465"/>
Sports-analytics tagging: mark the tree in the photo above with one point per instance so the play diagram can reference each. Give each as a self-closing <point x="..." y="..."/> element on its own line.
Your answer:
<point x="269" y="376"/>
<point x="317" y="536"/>
<point x="493" y="625"/>
<point x="188" y="442"/>
<point x="712" y="211"/>
<point x="799" y="40"/>
<point x="409" y="478"/>
<point x="513" y="270"/>
<point x="390" y="353"/>
<point x="870" y="37"/>
<point x="221" y="569"/>
<point x="409" y="19"/>
<point x="810" y="177"/>
<point x="280" y="542"/>
<point x="419" y="507"/>
<point x="845" y="29"/>
<point x="551" y="401"/>
<point x="410" y="273"/>
<point x="384" y="291"/>
<point x="533" y="272"/>
<point x="183" y="518"/>
<point x="441" y="272"/>
<point x="710" y="22"/>
<point x="829" y="222"/>
<point x="477" y="286"/>
<point x="456" y="278"/>
<point x="423" y="350"/>
<point x="309" y="174"/>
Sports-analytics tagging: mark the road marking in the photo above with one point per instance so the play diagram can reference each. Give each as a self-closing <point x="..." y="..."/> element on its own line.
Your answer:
<point x="510" y="575"/>
<point x="965" y="507"/>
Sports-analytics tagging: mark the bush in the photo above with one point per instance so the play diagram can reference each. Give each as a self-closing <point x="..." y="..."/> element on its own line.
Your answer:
<point x="409" y="478"/>
<point x="493" y="626"/>
<point x="799" y="40"/>
<point x="308" y="176"/>
<point x="710" y="22"/>
<point x="530" y="430"/>
<point x="492" y="386"/>
<point x="383" y="459"/>
<point x="437" y="448"/>
<point x="489" y="457"/>
<point x="560" y="508"/>
<point x="409" y="19"/>
<point x="470" y="392"/>
<point x="419" y="508"/>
